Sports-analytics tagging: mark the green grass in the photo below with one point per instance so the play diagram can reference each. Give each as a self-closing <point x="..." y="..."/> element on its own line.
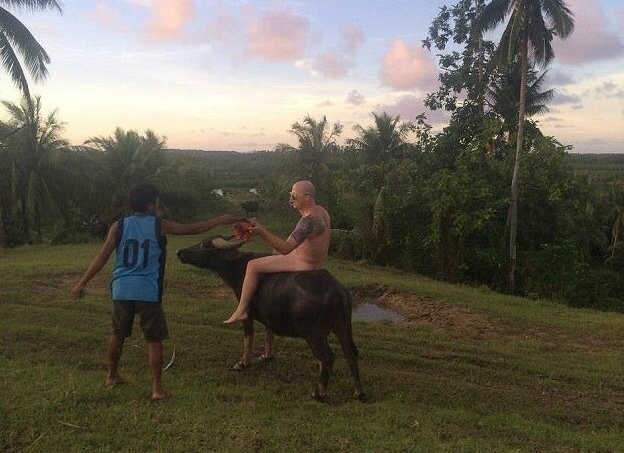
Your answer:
<point x="498" y="374"/>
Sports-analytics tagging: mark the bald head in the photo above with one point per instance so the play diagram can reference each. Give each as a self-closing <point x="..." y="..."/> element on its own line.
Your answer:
<point x="304" y="187"/>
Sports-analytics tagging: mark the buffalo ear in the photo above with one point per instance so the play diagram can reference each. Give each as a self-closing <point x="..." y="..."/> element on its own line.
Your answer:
<point x="225" y="244"/>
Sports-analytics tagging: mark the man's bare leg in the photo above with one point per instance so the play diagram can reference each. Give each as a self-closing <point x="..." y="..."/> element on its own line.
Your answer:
<point x="155" y="356"/>
<point x="113" y="354"/>
<point x="249" y="288"/>
<point x="267" y="264"/>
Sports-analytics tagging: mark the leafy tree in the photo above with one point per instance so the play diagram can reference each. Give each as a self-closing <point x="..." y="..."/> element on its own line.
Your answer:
<point x="467" y="72"/>
<point x="532" y="24"/>
<point x="35" y="155"/>
<point x="503" y="95"/>
<point x="316" y="143"/>
<point x="616" y="199"/>
<point x="16" y="39"/>
<point x="385" y="139"/>
<point x="126" y="158"/>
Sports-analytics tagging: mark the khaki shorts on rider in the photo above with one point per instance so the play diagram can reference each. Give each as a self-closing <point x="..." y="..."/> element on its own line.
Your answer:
<point x="152" y="319"/>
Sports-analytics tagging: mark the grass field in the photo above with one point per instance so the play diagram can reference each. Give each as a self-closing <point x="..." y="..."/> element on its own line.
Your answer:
<point x="470" y="370"/>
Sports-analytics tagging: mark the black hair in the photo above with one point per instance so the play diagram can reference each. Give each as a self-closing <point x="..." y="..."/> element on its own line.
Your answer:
<point x="141" y="196"/>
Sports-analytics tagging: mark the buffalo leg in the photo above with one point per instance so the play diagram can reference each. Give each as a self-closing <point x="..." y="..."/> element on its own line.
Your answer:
<point x="248" y="331"/>
<point x="351" y="355"/>
<point x="268" y="344"/>
<point x="321" y="350"/>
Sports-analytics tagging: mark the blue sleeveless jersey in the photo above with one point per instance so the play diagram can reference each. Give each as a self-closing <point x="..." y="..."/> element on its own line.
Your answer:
<point x="140" y="259"/>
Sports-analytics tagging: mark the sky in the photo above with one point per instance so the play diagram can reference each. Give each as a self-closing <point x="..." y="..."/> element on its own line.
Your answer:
<point x="235" y="75"/>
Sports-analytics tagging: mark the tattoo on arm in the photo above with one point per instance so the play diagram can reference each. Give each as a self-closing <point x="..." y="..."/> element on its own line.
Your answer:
<point x="308" y="227"/>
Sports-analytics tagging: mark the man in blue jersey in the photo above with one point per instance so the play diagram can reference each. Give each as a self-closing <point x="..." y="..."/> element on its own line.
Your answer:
<point x="136" y="286"/>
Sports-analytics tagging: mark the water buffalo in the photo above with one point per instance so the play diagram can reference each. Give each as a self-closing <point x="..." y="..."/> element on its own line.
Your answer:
<point x="308" y="304"/>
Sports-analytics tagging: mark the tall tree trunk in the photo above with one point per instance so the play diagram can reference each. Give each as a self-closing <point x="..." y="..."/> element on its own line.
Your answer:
<point x="3" y="241"/>
<point x="513" y="208"/>
<point x="25" y="223"/>
<point x="615" y="233"/>
<point x="480" y="96"/>
<point x="37" y="218"/>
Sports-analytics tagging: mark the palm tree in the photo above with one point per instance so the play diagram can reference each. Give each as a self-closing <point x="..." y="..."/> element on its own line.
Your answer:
<point x="16" y="39"/>
<point x="503" y="95"/>
<point x="316" y="142"/>
<point x="35" y="155"/>
<point x="385" y="139"/>
<point x="122" y="161"/>
<point x="532" y="24"/>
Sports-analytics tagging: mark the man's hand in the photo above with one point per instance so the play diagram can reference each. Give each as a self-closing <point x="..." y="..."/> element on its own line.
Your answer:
<point x="256" y="227"/>
<point x="77" y="291"/>
<point x="226" y="219"/>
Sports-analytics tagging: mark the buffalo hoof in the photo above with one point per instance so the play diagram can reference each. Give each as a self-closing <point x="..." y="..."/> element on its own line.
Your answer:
<point x="361" y="396"/>
<point x="240" y="366"/>
<point x="266" y="358"/>
<point x="317" y="396"/>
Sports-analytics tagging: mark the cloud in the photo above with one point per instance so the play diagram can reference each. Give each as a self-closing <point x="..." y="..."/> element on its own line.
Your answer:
<point x="278" y="35"/>
<point x="106" y="17"/>
<point x="335" y="63"/>
<point x="559" y="78"/>
<point x="591" y="39"/>
<point x="609" y="90"/>
<point x="561" y="98"/>
<point x="352" y="36"/>
<point x="222" y="28"/>
<point x="355" y="98"/>
<point x="331" y="64"/>
<point x="405" y="68"/>
<point x="325" y="104"/>
<point x="553" y="119"/>
<point x="408" y="107"/>
<point x="168" y="18"/>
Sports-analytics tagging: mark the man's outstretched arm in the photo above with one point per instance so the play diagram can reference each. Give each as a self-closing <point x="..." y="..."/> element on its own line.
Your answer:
<point x="169" y="227"/>
<point x="282" y="246"/>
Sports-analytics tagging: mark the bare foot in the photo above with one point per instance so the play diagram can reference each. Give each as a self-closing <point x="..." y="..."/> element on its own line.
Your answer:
<point x="159" y="395"/>
<point x="114" y="381"/>
<point x="236" y="317"/>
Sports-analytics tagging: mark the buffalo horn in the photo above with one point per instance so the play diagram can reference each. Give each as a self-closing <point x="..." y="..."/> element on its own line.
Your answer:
<point x="224" y="244"/>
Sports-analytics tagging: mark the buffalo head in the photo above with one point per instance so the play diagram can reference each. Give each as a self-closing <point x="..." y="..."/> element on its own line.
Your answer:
<point x="212" y="252"/>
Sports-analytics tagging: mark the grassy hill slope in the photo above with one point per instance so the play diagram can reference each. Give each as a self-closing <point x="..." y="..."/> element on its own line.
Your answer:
<point x="470" y="370"/>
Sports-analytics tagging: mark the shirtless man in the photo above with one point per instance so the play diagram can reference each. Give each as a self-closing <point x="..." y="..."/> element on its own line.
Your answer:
<point x="304" y="250"/>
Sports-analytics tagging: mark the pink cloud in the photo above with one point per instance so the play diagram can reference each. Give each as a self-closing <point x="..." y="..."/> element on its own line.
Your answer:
<point x="222" y="28"/>
<point x="352" y="37"/>
<point x="168" y="18"/>
<point x="355" y="98"/>
<point x="404" y="68"/>
<point x="408" y="107"/>
<point x="591" y="39"/>
<point x="106" y="17"/>
<point x="278" y="35"/>
<point x="331" y="64"/>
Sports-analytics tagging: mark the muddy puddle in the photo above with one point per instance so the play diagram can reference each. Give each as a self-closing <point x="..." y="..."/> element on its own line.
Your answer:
<point x="369" y="311"/>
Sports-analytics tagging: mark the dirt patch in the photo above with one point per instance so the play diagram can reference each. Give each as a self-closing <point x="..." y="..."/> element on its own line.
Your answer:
<point x="51" y="284"/>
<point x="431" y="313"/>
<point x="200" y="290"/>
<point x="474" y="324"/>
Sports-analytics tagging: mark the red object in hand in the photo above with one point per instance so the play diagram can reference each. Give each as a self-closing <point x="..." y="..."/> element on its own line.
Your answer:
<point x="242" y="230"/>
